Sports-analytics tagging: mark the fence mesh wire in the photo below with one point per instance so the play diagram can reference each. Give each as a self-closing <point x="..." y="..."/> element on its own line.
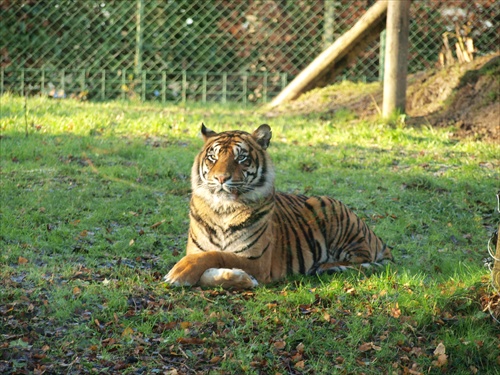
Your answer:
<point x="224" y="50"/>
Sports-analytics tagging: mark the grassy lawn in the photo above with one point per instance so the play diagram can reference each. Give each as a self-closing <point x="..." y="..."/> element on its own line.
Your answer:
<point x="94" y="211"/>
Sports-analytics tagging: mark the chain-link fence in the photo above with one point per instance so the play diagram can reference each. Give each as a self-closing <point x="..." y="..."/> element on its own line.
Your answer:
<point x="206" y="50"/>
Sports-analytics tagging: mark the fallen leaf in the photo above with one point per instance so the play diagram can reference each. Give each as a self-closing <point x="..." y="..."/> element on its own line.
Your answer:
<point x="108" y="342"/>
<point x="351" y="291"/>
<point x="300" y="348"/>
<point x="307" y="309"/>
<point x="300" y="365"/>
<point x="185" y="325"/>
<point x="22" y="260"/>
<point x="412" y="372"/>
<point x="156" y="225"/>
<point x="190" y="341"/>
<point x="442" y="358"/>
<point x="279" y="345"/>
<point x="440" y="349"/>
<point x="120" y="366"/>
<point x="395" y="311"/>
<point x="127" y="332"/>
<point x="160" y="327"/>
<point x="365" y="347"/>
<point x="369" y="346"/>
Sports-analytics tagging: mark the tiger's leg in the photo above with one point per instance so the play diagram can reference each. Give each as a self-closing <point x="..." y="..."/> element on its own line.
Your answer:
<point x="340" y="267"/>
<point x="330" y="267"/>
<point x="354" y="258"/>
<point x="189" y="270"/>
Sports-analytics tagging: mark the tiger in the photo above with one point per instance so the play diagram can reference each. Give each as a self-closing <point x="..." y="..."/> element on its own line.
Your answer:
<point x="242" y="232"/>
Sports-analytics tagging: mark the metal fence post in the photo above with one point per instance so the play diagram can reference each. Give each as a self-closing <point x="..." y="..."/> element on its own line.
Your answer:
<point x="63" y="82"/>
<point x="329" y="21"/>
<point x="143" y="86"/>
<point x="183" y="86"/>
<point x="224" y="87"/>
<point x="264" y="89"/>
<point x="163" y="87"/>
<point x="245" y="88"/>
<point x="124" y="83"/>
<point x="204" y="88"/>
<point x="139" y="36"/>
<point x="381" y="57"/>
<point x="103" y="85"/>
<point x="22" y="82"/>
<point x="82" y="83"/>
<point x="284" y="80"/>
<point x="42" y="83"/>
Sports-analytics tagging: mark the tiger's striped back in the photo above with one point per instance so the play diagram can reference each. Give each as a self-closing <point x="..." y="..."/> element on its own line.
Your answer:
<point x="319" y="231"/>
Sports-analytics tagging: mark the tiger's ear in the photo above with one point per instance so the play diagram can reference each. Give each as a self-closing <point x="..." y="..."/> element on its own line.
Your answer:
<point x="206" y="132"/>
<point x="263" y="135"/>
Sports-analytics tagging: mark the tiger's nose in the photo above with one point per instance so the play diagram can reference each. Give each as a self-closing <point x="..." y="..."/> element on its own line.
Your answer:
<point x="222" y="177"/>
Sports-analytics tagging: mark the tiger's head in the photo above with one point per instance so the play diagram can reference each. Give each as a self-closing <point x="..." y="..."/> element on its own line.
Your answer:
<point x="233" y="167"/>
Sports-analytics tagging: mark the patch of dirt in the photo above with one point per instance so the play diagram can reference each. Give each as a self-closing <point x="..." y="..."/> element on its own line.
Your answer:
<point x="463" y="96"/>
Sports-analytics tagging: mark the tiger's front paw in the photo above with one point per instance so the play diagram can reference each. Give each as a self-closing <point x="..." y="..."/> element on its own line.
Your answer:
<point x="228" y="279"/>
<point x="188" y="270"/>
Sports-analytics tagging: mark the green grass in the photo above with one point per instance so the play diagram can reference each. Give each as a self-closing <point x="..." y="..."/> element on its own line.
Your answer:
<point x="94" y="203"/>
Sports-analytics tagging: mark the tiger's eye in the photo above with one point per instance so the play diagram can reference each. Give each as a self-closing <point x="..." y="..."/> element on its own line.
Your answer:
<point x="241" y="158"/>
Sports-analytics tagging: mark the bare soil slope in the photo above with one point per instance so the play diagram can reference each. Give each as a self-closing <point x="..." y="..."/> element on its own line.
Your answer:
<point x="463" y="96"/>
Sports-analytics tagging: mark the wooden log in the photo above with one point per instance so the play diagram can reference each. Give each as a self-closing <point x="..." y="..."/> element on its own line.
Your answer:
<point x="396" y="57"/>
<point x="324" y="67"/>
<point x="496" y="264"/>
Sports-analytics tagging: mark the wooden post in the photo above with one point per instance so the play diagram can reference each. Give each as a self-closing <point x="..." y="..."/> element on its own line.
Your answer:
<point x="396" y="57"/>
